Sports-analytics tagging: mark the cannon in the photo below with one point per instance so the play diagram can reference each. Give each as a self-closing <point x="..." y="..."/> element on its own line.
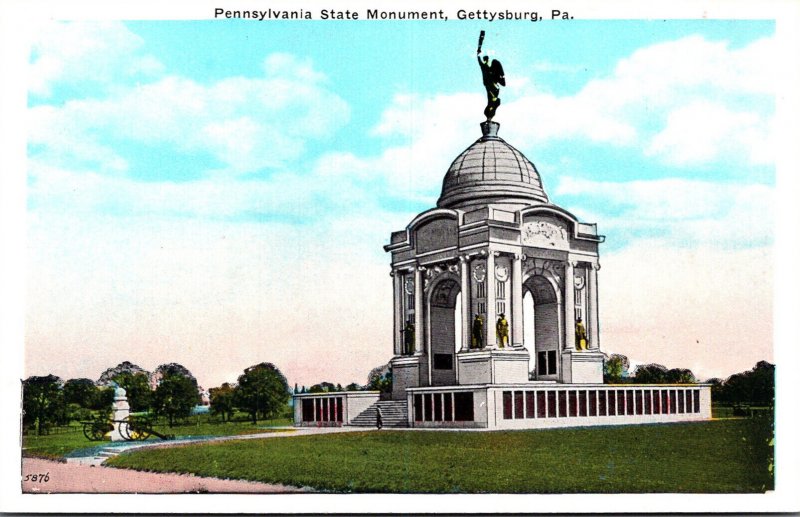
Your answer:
<point x="131" y="428"/>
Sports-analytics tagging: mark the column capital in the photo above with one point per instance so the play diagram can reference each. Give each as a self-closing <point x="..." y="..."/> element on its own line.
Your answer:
<point x="463" y="258"/>
<point x="520" y="256"/>
<point x="573" y="263"/>
<point x="496" y="253"/>
<point x="596" y="266"/>
<point x="392" y="273"/>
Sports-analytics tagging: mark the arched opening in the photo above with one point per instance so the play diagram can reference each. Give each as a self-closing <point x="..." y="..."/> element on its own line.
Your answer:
<point x="528" y="334"/>
<point x="542" y="323"/>
<point x="444" y="318"/>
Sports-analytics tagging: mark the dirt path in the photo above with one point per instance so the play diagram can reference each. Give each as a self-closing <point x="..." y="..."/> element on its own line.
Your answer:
<point x="73" y="478"/>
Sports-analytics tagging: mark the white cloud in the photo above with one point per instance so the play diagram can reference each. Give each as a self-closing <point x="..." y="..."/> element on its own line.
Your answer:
<point x="247" y="124"/>
<point x="703" y="132"/>
<point x="99" y="52"/>
<point x="286" y="196"/>
<point x="685" y="110"/>
<point x="658" y="102"/>
<point x="685" y="212"/>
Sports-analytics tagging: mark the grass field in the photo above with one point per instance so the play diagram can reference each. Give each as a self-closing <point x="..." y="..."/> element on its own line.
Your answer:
<point x="58" y="445"/>
<point x="724" y="456"/>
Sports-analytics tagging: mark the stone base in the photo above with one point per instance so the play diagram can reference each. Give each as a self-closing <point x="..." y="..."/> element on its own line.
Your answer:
<point x="493" y="366"/>
<point x="581" y="367"/>
<point x="121" y="412"/>
<point x="115" y="435"/>
<point x="405" y="374"/>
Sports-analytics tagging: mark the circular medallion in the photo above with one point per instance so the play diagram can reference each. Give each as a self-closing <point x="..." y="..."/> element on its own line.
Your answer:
<point x="479" y="273"/>
<point x="501" y="273"/>
<point x="409" y="286"/>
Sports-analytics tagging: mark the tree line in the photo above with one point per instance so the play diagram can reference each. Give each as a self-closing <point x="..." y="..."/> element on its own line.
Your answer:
<point x="379" y="379"/>
<point x="261" y="392"/>
<point x="754" y="387"/>
<point x="49" y="401"/>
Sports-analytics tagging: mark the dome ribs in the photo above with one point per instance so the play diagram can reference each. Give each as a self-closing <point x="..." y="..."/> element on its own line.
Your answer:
<point x="491" y="171"/>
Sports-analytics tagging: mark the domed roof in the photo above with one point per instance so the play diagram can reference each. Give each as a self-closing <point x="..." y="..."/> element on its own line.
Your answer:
<point x="491" y="171"/>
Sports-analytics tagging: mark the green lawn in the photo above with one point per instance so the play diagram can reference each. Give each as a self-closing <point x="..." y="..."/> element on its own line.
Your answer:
<point x="58" y="445"/>
<point x="726" y="456"/>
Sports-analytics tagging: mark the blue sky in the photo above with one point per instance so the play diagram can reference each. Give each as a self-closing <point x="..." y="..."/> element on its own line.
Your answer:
<point x="244" y="176"/>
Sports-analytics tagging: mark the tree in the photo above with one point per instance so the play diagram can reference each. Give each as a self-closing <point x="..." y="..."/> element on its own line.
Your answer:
<point x="762" y="384"/>
<point x="262" y="391"/>
<point x="175" y="397"/>
<point x="137" y="389"/>
<point x="43" y="403"/>
<point x="104" y="397"/>
<point x="756" y="386"/>
<point x="680" y="376"/>
<point x="222" y="401"/>
<point x="82" y="392"/>
<point x="615" y="368"/>
<point x="323" y="387"/>
<point x="716" y="389"/>
<point x="650" y="374"/>
<point x="124" y="367"/>
<point x="170" y="369"/>
<point x="380" y="379"/>
<point x="353" y="386"/>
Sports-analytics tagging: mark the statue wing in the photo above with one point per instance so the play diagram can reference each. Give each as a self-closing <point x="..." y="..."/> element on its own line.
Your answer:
<point x="498" y="74"/>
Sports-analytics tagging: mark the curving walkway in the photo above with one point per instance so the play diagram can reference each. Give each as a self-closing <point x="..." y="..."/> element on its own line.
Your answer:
<point x="72" y="478"/>
<point x="86" y="474"/>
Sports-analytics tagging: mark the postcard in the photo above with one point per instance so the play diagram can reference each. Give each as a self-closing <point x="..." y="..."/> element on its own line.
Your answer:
<point x="399" y="257"/>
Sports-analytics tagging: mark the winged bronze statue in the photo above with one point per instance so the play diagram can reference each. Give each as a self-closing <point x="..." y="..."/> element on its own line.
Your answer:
<point x="493" y="78"/>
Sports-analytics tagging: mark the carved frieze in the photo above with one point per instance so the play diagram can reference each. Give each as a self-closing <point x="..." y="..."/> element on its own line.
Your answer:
<point x="544" y="234"/>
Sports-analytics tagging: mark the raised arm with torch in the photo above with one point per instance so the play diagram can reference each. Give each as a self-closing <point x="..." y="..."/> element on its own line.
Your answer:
<point x="493" y="79"/>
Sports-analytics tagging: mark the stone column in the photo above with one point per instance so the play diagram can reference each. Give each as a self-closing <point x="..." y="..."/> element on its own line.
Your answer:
<point x="569" y="305"/>
<point x="466" y="309"/>
<point x="516" y="302"/>
<point x="399" y="323"/>
<point x="419" y="332"/>
<point x="594" y="310"/>
<point x="491" y="302"/>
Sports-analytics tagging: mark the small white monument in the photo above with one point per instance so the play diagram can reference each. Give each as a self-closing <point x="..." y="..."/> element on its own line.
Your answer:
<point x="121" y="411"/>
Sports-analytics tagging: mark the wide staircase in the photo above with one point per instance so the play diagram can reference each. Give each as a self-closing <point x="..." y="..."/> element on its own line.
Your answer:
<point x="393" y="412"/>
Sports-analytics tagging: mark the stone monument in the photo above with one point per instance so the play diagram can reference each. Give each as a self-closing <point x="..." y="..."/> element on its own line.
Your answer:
<point x="496" y="321"/>
<point x="120" y="411"/>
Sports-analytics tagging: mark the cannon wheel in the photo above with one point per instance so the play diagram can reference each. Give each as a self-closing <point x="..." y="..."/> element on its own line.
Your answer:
<point x="133" y="429"/>
<point x="95" y="431"/>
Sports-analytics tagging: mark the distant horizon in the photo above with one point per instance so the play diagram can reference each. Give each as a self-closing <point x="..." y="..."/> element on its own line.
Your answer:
<point x="631" y="370"/>
<point x="218" y="194"/>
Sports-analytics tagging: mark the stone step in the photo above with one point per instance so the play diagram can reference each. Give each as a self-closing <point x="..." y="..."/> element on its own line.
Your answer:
<point x="393" y="414"/>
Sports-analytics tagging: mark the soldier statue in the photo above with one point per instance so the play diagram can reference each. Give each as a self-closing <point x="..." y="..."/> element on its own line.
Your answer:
<point x="408" y="337"/>
<point x="493" y="79"/>
<point x="502" y="330"/>
<point x="477" y="332"/>
<point x="580" y="335"/>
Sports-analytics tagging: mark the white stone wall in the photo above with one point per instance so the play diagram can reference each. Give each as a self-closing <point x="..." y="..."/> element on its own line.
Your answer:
<point x="353" y="404"/>
<point x="405" y="374"/>
<point x="499" y="421"/>
<point x="489" y="408"/>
